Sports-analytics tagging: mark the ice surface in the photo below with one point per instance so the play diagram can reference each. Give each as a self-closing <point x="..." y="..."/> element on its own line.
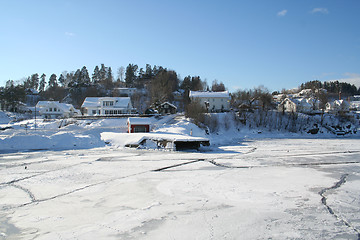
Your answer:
<point x="252" y="187"/>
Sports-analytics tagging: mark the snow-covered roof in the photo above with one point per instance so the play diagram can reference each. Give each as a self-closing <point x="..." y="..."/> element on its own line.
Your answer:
<point x="171" y="105"/>
<point x="96" y="101"/>
<point x="198" y="94"/>
<point x="65" y="107"/>
<point x="139" y="121"/>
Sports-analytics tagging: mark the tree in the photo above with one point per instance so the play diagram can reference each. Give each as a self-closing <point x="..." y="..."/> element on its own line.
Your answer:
<point x="12" y="95"/>
<point x="120" y="73"/>
<point x="130" y="75"/>
<point x="96" y="75"/>
<point x="62" y="80"/>
<point x="108" y="81"/>
<point x="217" y="87"/>
<point x="42" y="83"/>
<point x="52" y="81"/>
<point x="35" y="81"/>
<point x="163" y="86"/>
<point x="84" y="77"/>
<point x="103" y="73"/>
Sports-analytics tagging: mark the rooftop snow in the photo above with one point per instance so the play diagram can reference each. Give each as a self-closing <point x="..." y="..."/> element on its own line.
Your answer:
<point x="198" y="94"/>
<point x="96" y="101"/>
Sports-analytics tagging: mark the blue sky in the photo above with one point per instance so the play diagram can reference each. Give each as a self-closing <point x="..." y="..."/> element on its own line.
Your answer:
<point x="278" y="44"/>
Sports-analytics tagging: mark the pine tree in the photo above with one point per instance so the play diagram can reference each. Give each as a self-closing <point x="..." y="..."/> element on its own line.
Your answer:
<point x="96" y="75"/>
<point x="42" y="83"/>
<point x="62" y="80"/>
<point x="109" y="79"/>
<point x="52" y="81"/>
<point x="103" y="74"/>
<point x="130" y="75"/>
<point x="84" y="77"/>
<point x="34" y="81"/>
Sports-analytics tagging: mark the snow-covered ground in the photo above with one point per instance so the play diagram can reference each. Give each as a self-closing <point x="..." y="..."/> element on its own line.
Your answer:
<point x="251" y="186"/>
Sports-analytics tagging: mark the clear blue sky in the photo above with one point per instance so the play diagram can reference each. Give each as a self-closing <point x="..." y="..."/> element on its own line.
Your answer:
<point x="275" y="43"/>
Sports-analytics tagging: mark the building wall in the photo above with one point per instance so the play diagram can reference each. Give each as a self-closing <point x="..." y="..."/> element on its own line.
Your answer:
<point x="216" y="104"/>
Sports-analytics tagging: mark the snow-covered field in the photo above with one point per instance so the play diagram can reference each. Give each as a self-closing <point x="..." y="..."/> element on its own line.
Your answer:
<point x="252" y="187"/>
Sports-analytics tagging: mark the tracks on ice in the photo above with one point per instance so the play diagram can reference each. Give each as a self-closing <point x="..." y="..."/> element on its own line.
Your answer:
<point x="331" y="210"/>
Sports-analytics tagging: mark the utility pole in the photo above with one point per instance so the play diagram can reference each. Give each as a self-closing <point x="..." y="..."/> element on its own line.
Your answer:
<point x="35" y="117"/>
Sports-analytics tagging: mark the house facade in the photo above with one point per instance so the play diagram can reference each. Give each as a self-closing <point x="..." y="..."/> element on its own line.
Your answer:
<point x="295" y="105"/>
<point x="212" y="101"/>
<point x="167" y="108"/>
<point x="128" y="92"/>
<point x="55" y="109"/>
<point x="100" y="106"/>
<point x="337" y="106"/>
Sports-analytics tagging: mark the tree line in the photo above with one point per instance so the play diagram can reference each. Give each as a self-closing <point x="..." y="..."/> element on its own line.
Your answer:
<point x="159" y="84"/>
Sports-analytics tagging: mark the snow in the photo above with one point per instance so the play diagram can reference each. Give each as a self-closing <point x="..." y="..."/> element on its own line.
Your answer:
<point x="96" y="101"/>
<point x="199" y="94"/>
<point x="67" y="183"/>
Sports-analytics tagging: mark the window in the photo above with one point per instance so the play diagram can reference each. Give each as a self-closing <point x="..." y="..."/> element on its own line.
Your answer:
<point x="55" y="110"/>
<point x="108" y="103"/>
<point x="93" y="112"/>
<point x="50" y="109"/>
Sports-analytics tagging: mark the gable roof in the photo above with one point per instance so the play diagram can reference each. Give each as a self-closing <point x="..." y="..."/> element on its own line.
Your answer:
<point x="96" y="101"/>
<point x="65" y="107"/>
<point x="138" y="121"/>
<point x="198" y="94"/>
<point x="171" y="105"/>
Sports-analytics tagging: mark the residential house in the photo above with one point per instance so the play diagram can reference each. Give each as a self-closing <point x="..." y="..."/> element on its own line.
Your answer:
<point x="32" y="97"/>
<point x="101" y="106"/>
<point x="295" y="105"/>
<point x="136" y="124"/>
<point x="55" y="109"/>
<point x="212" y="101"/>
<point x="167" y="108"/>
<point x="128" y="92"/>
<point x="337" y="106"/>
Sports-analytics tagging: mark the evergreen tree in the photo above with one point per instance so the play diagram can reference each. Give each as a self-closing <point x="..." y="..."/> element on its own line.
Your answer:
<point x="34" y="81"/>
<point x="109" y="79"/>
<point x="84" y="76"/>
<point x="52" y="81"/>
<point x="12" y="96"/>
<point x="103" y="74"/>
<point x="62" y="80"/>
<point x="130" y="75"/>
<point x="96" y="75"/>
<point x="42" y="83"/>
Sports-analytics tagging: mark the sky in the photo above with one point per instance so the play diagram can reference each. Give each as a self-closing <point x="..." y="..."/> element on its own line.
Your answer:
<point x="244" y="44"/>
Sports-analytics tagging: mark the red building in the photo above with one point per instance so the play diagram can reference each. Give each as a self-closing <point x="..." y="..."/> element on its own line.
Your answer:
<point x="136" y="125"/>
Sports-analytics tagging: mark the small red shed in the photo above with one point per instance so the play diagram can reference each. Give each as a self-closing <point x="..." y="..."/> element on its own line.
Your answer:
<point x="137" y="124"/>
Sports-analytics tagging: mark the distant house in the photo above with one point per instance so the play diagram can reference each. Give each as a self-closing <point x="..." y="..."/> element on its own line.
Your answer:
<point x="136" y="125"/>
<point x="167" y="108"/>
<point x="128" y="92"/>
<point x="107" y="106"/>
<point x="337" y="106"/>
<point x="295" y="105"/>
<point x="32" y="96"/>
<point x="55" y="109"/>
<point x="212" y="101"/>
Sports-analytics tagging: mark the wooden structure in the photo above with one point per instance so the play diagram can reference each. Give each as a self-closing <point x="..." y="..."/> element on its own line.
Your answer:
<point x="136" y="125"/>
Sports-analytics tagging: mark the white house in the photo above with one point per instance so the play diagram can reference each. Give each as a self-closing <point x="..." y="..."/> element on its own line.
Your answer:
<point x="295" y="105"/>
<point x="55" y="109"/>
<point x="337" y="106"/>
<point x="126" y="91"/>
<point x="212" y="101"/>
<point x="107" y="106"/>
